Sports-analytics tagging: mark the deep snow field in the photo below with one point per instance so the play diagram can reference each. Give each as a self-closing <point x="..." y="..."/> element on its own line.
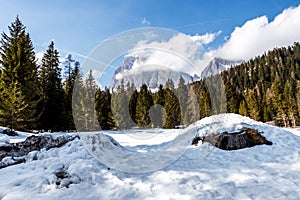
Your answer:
<point x="200" y="172"/>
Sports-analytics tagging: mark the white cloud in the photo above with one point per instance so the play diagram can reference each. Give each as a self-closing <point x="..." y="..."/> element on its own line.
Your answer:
<point x="145" y="22"/>
<point x="259" y="35"/>
<point x="206" y="38"/>
<point x="181" y="52"/>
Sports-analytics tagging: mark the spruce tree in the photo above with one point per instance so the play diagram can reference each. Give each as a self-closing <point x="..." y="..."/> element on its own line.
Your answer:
<point x="12" y="107"/>
<point x="158" y="111"/>
<point x="132" y="105"/>
<point x="121" y="108"/>
<point x="182" y="95"/>
<point x="204" y="103"/>
<point x="291" y="105"/>
<point x="253" y="105"/>
<point x="144" y="103"/>
<point x="172" y="108"/>
<point x="74" y="79"/>
<point x="243" y="108"/>
<point x="53" y="95"/>
<point x="18" y="62"/>
<point x="89" y="103"/>
<point x="103" y="108"/>
<point x="192" y="110"/>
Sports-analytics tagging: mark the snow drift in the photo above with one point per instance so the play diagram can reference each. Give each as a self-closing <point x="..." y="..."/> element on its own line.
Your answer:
<point x="202" y="172"/>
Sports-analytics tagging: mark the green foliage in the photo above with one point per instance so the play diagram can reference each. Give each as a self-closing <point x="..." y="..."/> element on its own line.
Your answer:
<point x="158" y="111"/>
<point x="182" y="95"/>
<point x="121" y="107"/>
<point x="103" y="109"/>
<point x="17" y="59"/>
<point x="53" y="94"/>
<point x="144" y="103"/>
<point x="75" y="79"/>
<point x="13" y="107"/>
<point x="172" y="107"/>
<point x="192" y="110"/>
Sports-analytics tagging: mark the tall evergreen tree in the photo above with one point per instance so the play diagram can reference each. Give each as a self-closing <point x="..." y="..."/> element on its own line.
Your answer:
<point x="144" y="103"/>
<point x="17" y="59"/>
<point x="121" y="108"/>
<point x="192" y="110"/>
<point x="74" y="79"/>
<point x="172" y="108"/>
<point x="204" y="103"/>
<point x="182" y="95"/>
<point x="159" y="114"/>
<point x="103" y="108"/>
<point x="243" y="108"/>
<point x="53" y="95"/>
<point x="132" y="105"/>
<point x="12" y="107"/>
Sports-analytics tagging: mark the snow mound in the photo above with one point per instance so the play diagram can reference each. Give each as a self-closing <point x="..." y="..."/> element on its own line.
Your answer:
<point x="202" y="172"/>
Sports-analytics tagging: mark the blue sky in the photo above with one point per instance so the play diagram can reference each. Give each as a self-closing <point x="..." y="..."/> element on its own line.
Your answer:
<point x="78" y="26"/>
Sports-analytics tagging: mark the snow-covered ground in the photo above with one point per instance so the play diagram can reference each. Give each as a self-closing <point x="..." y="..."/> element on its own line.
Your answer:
<point x="202" y="172"/>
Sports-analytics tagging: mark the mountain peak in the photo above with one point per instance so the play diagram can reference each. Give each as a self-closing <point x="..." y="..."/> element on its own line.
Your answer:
<point x="217" y="65"/>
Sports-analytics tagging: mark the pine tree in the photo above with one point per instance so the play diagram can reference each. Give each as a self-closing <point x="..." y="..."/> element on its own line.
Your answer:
<point x="172" y="109"/>
<point x="121" y="108"/>
<point x="253" y="105"/>
<point x="192" y="110"/>
<point x="53" y="95"/>
<point x="158" y="111"/>
<point x="291" y="106"/>
<point x="278" y="103"/>
<point x="74" y="79"/>
<point x="243" y="108"/>
<point x="144" y="103"/>
<point x="89" y="103"/>
<point x="103" y="108"/>
<point x="132" y="105"/>
<point x="17" y="59"/>
<point x="204" y="103"/>
<point x="182" y="95"/>
<point x="13" y="107"/>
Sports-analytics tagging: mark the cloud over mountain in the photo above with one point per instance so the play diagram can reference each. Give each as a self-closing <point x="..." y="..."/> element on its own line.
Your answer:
<point x="259" y="35"/>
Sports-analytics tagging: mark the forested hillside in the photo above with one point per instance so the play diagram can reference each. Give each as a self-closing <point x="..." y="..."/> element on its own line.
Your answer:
<point x="265" y="88"/>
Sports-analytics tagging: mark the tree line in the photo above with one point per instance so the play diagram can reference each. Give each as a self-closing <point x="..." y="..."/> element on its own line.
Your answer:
<point x="33" y="97"/>
<point x="37" y="97"/>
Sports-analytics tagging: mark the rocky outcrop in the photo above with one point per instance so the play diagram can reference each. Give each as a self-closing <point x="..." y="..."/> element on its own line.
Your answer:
<point x="17" y="151"/>
<point x="232" y="141"/>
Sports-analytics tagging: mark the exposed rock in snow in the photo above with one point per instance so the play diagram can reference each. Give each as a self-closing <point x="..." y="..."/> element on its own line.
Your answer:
<point x="10" y="132"/>
<point x="244" y="138"/>
<point x="11" y="154"/>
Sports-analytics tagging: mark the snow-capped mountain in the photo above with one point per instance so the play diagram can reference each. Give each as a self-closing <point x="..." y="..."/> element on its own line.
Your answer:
<point x="217" y="65"/>
<point x="151" y="75"/>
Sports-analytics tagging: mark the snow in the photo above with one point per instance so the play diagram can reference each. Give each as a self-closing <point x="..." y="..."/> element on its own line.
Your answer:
<point x="199" y="172"/>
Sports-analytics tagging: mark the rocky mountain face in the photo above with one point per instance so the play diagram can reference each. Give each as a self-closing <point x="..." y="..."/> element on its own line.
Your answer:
<point x="155" y="76"/>
<point x="152" y="76"/>
<point x="217" y="65"/>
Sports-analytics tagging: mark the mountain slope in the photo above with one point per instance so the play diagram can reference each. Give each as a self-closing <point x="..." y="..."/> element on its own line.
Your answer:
<point x="218" y="65"/>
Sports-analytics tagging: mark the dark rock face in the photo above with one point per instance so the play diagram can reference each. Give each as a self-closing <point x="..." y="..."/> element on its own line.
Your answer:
<point x="32" y="143"/>
<point x="232" y="141"/>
